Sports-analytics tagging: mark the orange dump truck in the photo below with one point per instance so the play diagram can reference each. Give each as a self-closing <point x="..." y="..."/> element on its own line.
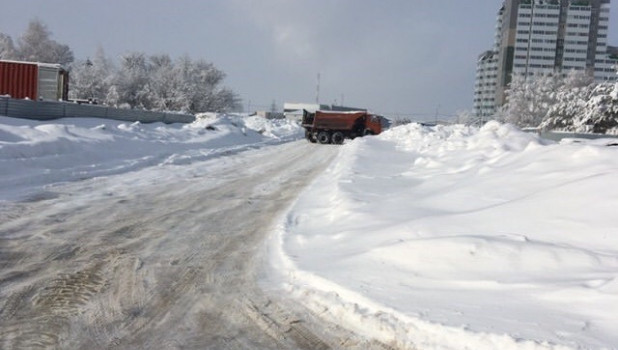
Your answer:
<point x="333" y="127"/>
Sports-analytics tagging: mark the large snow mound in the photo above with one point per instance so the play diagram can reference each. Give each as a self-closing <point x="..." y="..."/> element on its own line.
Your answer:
<point x="461" y="238"/>
<point x="36" y="154"/>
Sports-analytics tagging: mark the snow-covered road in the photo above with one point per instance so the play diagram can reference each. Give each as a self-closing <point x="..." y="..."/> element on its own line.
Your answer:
<point x="168" y="262"/>
<point x="227" y="234"/>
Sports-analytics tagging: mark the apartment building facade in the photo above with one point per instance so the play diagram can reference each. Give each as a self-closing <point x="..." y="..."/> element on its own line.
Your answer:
<point x="541" y="37"/>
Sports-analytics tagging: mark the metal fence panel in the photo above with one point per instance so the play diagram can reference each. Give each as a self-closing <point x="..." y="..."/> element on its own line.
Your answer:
<point x="85" y="111"/>
<point x="170" y="118"/>
<point x="48" y="110"/>
<point x="39" y="110"/>
<point x="4" y="106"/>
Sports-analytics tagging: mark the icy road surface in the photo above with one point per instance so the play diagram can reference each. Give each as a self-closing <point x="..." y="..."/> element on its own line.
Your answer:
<point x="163" y="258"/>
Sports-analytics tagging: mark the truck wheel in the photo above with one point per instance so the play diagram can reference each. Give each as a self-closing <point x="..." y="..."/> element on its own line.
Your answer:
<point x="310" y="136"/>
<point x="368" y="132"/>
<point x="337" y="138"/>
<point x="324" y="137"/>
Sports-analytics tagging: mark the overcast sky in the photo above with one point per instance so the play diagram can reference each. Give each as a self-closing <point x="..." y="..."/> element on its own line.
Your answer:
<point x="412" y="57"/>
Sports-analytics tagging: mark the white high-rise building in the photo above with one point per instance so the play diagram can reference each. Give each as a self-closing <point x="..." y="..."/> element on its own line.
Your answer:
<point x="485" y="86"/>
<point x="544" y="36"/>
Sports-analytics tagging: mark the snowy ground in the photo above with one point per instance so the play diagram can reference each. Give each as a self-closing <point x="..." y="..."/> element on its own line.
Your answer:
<point x="424" y="238"/>
<point x="34" y="154"/>
<point x="455" y="238"/>
<point x="161" y="257"/>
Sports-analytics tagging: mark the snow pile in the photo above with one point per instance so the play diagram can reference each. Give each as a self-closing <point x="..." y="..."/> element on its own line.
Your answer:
<point x="460" y="238"/>
<point x="275" y="128"/>
<point x="35" y="154"/>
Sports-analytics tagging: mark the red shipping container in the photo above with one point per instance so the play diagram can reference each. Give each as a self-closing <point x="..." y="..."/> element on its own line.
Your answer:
<point x="19" y="80"/>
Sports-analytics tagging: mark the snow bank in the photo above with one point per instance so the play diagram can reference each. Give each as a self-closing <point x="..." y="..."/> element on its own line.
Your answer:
<point x="36" y="154"/>
<point x="460" y="238"/>
<point x="275" y="128"/>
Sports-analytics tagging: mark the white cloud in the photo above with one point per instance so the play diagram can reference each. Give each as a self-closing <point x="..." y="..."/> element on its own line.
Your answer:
<point x="288" y="24"/>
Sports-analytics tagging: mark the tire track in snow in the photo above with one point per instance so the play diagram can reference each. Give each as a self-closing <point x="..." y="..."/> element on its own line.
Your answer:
<point x="162" y="265"/>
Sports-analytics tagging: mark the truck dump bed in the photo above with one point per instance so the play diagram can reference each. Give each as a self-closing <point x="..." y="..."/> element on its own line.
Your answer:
<point x="333" y="120"/>
<point x="339" y="121"/>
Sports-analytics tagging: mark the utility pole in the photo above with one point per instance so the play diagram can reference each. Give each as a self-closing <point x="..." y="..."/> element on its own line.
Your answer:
<point x="317" y="91"/>
<point x="273" y="106"/>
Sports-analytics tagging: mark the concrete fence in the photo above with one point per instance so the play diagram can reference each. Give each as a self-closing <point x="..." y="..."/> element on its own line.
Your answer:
<point x="48" y="110"/>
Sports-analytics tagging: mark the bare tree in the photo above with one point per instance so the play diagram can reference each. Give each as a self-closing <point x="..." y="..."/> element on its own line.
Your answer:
<point x="36" y="45"/>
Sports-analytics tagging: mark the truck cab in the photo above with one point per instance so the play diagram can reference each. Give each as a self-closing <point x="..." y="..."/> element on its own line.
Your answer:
<point x="373" y="124"/>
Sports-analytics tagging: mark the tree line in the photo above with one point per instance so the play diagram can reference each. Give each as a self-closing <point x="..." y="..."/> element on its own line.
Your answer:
<point x="137" y="81"/>
<point x="573" y="102"/>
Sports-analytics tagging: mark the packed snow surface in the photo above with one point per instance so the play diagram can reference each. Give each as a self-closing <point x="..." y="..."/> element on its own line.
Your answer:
<point x="35" y="155"/>
<point x="427" y="238"/>
<point x="459" y="238"/>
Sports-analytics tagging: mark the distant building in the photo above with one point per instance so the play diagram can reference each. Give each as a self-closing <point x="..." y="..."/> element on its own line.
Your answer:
<point x="486" y="81"/>
<point x="346" y="109"/>
<point x="294" y="111"/>
<point x="544" y="36"/>
<point x="270" y="115"/>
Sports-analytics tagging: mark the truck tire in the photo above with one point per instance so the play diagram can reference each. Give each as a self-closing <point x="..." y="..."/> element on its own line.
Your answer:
<point x="310" y="136"/>
<point x="368" y="132"/>
<point x="337" y="138"/>
<point x="324" y="137"/>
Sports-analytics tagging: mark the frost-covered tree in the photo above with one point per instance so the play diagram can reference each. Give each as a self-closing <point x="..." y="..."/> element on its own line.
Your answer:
<point x="224" y="100"/>
<point x="7" y="48"/>
<point x="576" y="79"/>
<point x="570" y="101"/>
<point x="530" y="98"/>
<point x="164" y="85"/>
<point x="152" y="83"/>
<point x="132" y="82"/>
<point x="583" y="106"/>
<point x="61" y="54"/>
<point x="158" y="83"/>
<point x="601" y="110"/>
<point x="36" y="45"/>
<point x="201" y="90"/>
<point x="92" y="79"/>
<point x="467" y="118"/>
<point x="199" y="80"/>
<point x="570" y="105"/>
